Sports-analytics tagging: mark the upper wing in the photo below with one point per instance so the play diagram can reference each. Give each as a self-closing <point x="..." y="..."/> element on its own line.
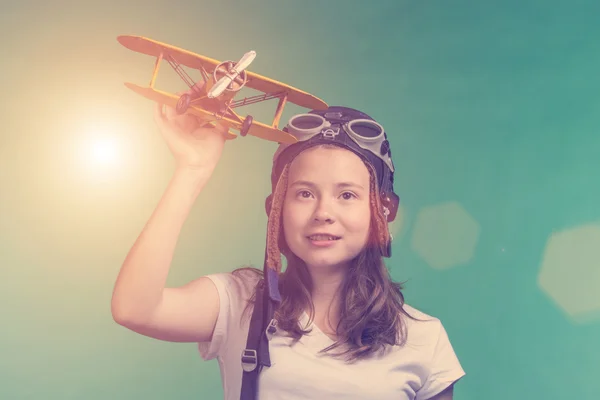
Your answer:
<point x="255" y="81"/>
<point x="296" y="96"/>
<point x="153" y="48"/>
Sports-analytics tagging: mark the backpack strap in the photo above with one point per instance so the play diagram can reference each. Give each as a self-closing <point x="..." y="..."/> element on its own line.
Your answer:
<point x="256" y="354"/>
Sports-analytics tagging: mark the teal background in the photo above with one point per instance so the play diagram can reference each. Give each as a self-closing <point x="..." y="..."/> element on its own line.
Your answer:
<point x="493" y="113"/>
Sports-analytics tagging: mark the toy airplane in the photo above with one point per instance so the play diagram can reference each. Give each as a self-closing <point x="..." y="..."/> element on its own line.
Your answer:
<point x="214" y="96"/>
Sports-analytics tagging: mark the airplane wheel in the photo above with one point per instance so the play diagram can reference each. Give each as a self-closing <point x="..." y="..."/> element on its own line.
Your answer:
<point x="183" y="103"/>
<point x="246" y="125"/>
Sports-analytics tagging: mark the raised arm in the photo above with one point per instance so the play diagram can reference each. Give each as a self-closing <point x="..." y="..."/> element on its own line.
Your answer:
<point x="140" y="300"/>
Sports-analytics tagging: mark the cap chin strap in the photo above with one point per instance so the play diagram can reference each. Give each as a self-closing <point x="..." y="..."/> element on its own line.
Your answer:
<point x="387" y="251"/>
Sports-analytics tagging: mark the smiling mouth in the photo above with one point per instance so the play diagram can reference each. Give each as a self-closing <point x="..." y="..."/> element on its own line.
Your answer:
<point x="322" y="238"/>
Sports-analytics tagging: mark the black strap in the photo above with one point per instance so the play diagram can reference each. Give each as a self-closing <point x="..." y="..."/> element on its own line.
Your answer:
<point x="256" y="354"/>
<point x="250" y="353"/>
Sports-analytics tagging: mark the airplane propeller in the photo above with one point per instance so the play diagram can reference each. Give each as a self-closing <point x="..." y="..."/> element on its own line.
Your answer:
<point x="222" y="84"/>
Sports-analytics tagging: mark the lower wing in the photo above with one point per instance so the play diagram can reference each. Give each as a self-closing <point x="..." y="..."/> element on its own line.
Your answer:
<point x="257" y="129"/>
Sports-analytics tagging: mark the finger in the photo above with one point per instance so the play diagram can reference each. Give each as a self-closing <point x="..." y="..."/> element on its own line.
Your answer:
<point x="159" y="115"/>
<point x="170" y="113"/>
<point x="180" y="120"/>
<point x="187" y="123"/>
<point x="222" y="127"/>
<point x="191" y="122"/>
<point x="215" y="126"/>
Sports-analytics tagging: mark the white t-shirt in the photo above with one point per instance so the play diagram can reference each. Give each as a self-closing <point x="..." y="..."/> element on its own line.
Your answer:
<point x="420" y="369"/>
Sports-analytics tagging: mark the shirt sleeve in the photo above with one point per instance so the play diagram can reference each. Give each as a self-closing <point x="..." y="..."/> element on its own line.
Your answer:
<point x="444" y="369"/>
<point x="234" y="290"/>
<point x="210" y="350"/>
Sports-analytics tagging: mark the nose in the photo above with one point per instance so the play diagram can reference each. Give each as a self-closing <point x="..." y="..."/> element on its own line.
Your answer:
<point x="323" y="213"/>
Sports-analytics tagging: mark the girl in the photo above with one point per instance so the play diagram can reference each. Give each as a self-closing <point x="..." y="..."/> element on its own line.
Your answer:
<point x="341" y="328"/>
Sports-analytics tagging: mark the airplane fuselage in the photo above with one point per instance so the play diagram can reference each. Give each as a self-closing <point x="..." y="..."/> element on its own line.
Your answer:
<point x="200" y="98"/>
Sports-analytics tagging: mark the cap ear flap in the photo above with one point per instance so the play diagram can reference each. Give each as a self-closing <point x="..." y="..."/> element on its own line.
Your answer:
<point x="269" y="204"/>
<point x="390" y="200"/>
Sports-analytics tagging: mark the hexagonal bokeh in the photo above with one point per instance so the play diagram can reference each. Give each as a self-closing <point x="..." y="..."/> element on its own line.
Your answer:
<point x="445" y="235"/>
<point x="570" y="270"/>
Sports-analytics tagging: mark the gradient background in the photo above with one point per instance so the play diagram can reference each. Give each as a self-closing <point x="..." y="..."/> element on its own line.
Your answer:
<point x="493" y="111"/>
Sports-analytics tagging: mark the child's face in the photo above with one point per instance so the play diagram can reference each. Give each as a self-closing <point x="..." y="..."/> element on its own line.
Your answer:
<point x="317" y="201"/>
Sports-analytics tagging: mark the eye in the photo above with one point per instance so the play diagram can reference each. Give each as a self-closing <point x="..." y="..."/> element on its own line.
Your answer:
<point x="304" y="194"/>
<point x="348" y="195"/>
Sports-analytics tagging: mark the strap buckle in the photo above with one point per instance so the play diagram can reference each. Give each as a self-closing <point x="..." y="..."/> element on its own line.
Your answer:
<point x="271" y="329"/>
<point x="249" y="360"/>
<point x="330" y="133"/>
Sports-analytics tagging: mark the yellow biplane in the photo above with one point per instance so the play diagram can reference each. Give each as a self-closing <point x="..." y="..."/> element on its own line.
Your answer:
<point x="214" y="96"/>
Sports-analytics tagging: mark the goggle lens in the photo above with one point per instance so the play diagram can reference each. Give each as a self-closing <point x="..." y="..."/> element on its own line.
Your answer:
<point x="365" y="129"/>
<point x="307" y="122"/>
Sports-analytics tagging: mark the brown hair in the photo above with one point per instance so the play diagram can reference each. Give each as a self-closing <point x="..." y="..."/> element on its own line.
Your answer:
<point x="371" y="312"/>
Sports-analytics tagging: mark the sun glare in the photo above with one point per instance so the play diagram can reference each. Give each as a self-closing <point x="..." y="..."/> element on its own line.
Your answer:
<point x="104" y="151"/>
<point x="101" y="152"/>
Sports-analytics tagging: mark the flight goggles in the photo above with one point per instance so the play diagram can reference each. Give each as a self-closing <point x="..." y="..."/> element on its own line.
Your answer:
<point x="366" y="133"/>
<point x="348" y="128"/>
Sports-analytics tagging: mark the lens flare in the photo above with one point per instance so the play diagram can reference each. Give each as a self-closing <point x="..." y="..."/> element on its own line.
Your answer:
<point x="101" y="152"/>
<point x="104" y="151"/>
